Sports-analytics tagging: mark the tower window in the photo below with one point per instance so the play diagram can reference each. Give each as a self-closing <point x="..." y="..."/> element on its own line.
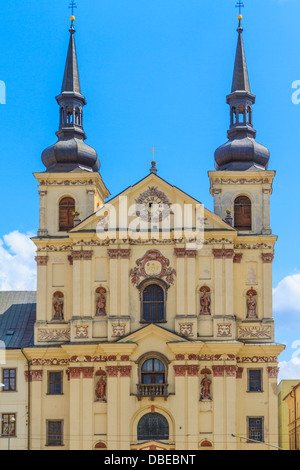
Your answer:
<point x="66" y="214"/>
<point x="153" y="307"/>
<point x="242" y="213"/>
<point x="153" y="427"/>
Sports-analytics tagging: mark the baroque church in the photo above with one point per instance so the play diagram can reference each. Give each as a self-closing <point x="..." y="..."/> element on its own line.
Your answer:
<point x="151" y="327"/>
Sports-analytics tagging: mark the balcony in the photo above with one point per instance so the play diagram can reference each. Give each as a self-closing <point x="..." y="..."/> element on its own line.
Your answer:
<point x="152" y="391"/>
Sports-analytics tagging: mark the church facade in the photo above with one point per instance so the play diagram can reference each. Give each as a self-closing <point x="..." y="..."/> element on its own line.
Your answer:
<point x="152" y="326"/>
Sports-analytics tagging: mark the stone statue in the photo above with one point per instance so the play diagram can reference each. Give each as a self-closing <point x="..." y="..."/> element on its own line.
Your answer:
<point x="101" y="304"/>
<point x="251" y="306"/>
<point x="205" y="388"/>
<point x="205" y="304"/>
<point x="58" y="305"/>
<point x="101" y="389"/>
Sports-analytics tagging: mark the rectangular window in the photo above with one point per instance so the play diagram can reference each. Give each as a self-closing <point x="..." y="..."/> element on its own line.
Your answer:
<point x="9" y="380"/>
<point x="255" y="429"/>
<point x="54" y="433"/>
<point x="255" y="380"/>
<point x="55" y="383"/>
<point x="8" y="424"/>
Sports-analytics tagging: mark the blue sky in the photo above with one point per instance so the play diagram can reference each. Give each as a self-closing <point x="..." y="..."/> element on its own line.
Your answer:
<point x="154" y="72"/>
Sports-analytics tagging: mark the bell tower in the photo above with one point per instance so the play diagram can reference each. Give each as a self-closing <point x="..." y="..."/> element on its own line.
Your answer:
<point x="71" y="187"/>
<point x="242" y="185"/>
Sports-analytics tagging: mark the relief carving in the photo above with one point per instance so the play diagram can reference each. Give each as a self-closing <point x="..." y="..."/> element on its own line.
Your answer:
<point x="152" y="264"/>
<point x="186" y="329"/>
<point x="57" y="335"/>
<point x="224" y="329"/>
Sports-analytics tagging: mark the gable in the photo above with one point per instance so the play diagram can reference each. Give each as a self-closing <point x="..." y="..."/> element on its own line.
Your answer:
<point x="152" y="338"/>
<point x="171" y="209"/>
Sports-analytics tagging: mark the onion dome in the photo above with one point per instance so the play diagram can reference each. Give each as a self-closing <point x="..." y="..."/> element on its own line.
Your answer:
<point x="241" y="152"/>
<point x="70" y="153"/>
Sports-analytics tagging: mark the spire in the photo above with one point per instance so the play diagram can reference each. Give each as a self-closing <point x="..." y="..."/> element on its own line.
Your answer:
<point x="240" y="80"/>
<point x="70" y="153"/>
<point x="71" y="81"/>
<point x="241" y="152"/>
<point x="70" y="100"/>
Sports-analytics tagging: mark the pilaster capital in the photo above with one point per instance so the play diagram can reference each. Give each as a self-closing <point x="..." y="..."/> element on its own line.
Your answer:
<point x="273" y="372"/>
<point x="79" y="255"/>
<point x="115" y="253"/>
<point x="75" y="372"/>
<point x="218" y="371"/>
<point x="34" y="375"/>
<point x="267" y="257"/>
<point x="179" y="252"/>
<point x="230" y="370"/>
<point x="179" y="371"/>
<point x="41" y="260"/>
<point x="113" y="371"/>
<point x="237" y="258"/>
<point x="228" y="253"/>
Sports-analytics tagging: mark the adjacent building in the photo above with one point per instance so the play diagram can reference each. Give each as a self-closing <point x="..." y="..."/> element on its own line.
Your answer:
<point x="291" y="417"/>
<point x="152" y="323"/>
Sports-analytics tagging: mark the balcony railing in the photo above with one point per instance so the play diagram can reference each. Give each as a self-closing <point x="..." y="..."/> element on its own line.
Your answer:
<point x="152" y="390"/>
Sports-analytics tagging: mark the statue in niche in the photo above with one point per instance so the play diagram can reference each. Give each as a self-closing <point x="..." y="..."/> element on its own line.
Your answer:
<point x="58" y="306"/>
<point x="205" y="388"/>
<point x="205" y="301"/>
<point x="100" y="390"/>
<point x="251" y="304"/>
<point x="101" y="301"/>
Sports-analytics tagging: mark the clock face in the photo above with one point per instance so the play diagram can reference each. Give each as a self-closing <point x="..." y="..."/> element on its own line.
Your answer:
<point x="152" y="205"/>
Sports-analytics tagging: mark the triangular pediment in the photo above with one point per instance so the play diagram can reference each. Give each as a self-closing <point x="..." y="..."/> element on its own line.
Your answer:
<point x="152" y="331"/>
<point x="168" y="205"/>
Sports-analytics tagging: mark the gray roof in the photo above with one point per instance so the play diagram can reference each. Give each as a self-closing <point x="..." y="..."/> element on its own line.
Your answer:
<point x="17" y="317"/>
<point x="240" y="80"/>
<point x="71" y="81"/>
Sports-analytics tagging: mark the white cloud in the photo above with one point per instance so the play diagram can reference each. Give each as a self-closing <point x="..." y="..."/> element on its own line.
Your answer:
<point x="286" y="296"/>
<point x="289" y="370"/>
<point x="17" y="264"/>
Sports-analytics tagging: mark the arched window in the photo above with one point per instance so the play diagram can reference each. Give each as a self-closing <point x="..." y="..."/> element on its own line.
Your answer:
<point x="66" y="214"/>
<point x="100" y="446"/>
<point x="153" y="372"/>
<point x="153" y="304"/>
<point x="242" y="213"/>
<point x="153" y="427"/>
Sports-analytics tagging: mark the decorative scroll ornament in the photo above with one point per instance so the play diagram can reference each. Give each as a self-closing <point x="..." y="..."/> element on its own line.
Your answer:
<point x="153" y="264"/>
<point x="152" y="205"/>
